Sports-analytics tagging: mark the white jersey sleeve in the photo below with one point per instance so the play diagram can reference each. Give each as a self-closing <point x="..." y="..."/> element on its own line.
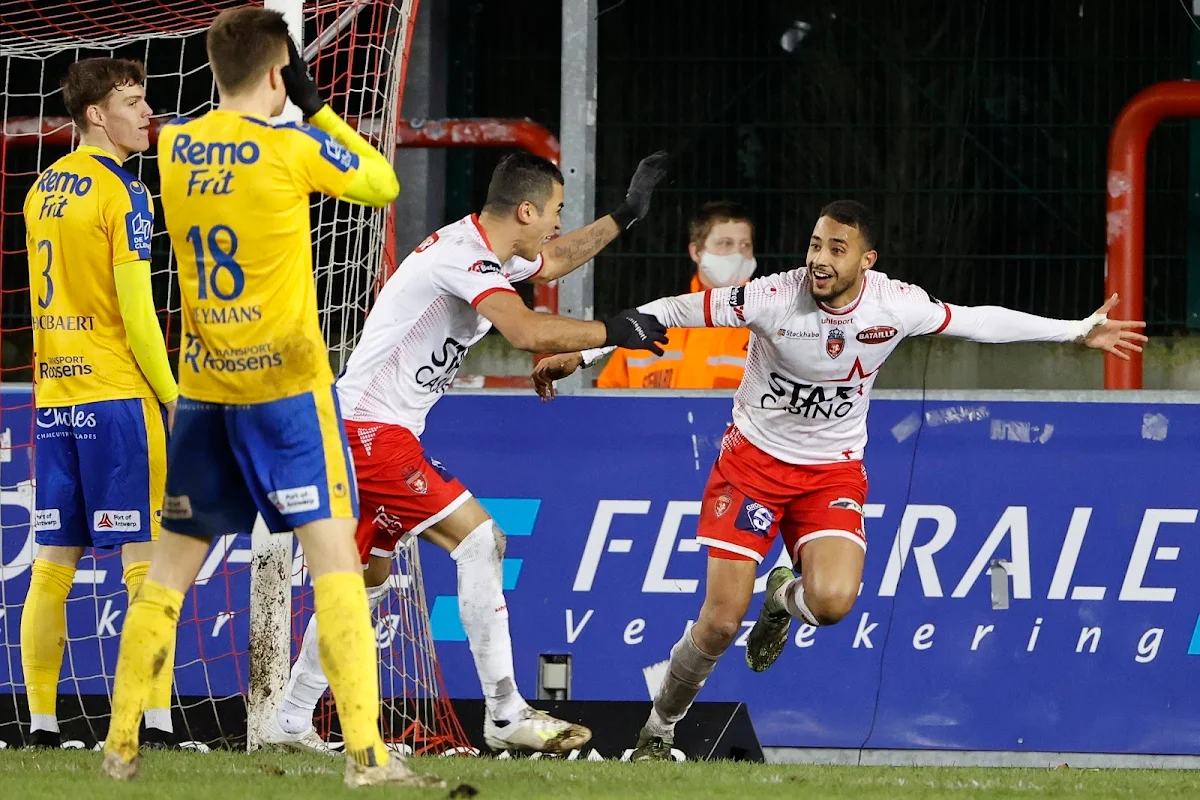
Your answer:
<point x="917" y="312"/>
<point x="920" y="314"/>
<point x="518" y="269"/>
<point x="755" y="305"/>
<point x="421" y="325"/>
<point x="470" y="281"/>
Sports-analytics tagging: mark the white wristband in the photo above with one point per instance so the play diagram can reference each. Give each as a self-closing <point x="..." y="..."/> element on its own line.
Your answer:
<point x="1079" y="330"/>
<point x="591" y="356"/>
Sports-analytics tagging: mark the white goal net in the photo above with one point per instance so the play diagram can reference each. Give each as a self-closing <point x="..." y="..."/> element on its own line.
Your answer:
<point x="357" y="50"/>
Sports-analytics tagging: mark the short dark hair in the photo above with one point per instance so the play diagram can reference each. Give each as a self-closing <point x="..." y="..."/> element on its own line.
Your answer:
<point x="714" y="213"/>
<point x="519" y="177"/>
<point x="89" y="81"/>
<point x="242" y="45"/>
<point x="852" y="212"/>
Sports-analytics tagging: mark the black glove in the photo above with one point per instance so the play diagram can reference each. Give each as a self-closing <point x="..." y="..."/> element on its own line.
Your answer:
<point x="651" y="170"/>
<point x="634" y="330"/>
<point x="301" y="88"/>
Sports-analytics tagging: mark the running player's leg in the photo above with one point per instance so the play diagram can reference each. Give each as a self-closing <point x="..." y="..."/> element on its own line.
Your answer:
<point x="824" y="534"/>
<point x="205" y="497"/>
<point x="729" y="588"/>
<point x="61" y="533"/>
<point x="404" y="494"/>
<point x="477" y="546"/>
<point x="739" y="529"/>
<point x="310" y="490"/>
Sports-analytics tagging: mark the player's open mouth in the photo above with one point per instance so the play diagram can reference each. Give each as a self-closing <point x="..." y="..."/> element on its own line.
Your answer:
<point x="821" y="278"/>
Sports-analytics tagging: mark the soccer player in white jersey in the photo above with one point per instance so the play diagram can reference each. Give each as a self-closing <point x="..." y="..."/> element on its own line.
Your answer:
<point x="791" y="463"/>
<point x="442" y="299"/>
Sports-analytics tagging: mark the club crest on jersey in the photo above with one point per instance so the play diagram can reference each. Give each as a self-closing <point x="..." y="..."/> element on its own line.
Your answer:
<point x="721" y="505"/>
<point x="417" y="482"/>
<point x="835" y="342"/>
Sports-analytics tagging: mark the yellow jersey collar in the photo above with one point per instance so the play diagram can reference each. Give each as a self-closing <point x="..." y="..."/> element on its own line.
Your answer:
<point x="93" y="150"/>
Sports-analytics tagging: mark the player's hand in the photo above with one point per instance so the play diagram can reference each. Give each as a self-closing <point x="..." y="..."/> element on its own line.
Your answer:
<point x="551" y="369"/>
<point x="634" y="330"/>
<point x="650" y="172"/>
<point x="171" y="415"/>
<point x="301" y="88"/>
<point x="1115" y="336"/>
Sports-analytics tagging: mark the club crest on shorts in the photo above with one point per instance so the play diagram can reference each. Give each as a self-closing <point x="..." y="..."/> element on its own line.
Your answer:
<point x="721" y="505"/>
<point x="417" y="482"/>
<point x="835" y="342"/>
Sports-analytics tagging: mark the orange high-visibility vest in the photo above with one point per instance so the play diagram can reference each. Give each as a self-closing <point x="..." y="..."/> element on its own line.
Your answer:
<point x="693" y="358"/>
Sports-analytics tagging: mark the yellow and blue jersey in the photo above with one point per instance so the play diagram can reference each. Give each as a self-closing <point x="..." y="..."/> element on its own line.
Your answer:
<point x="235" y="194"/>
<point x="84" y="216"/>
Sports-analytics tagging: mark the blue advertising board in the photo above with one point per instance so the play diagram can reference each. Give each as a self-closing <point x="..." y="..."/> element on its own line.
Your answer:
<point x="1091" y="506"/>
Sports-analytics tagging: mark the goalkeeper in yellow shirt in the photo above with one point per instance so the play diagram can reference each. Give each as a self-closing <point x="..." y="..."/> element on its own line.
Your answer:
<point x="258" y="428"/>
<point x="102" y="382"/>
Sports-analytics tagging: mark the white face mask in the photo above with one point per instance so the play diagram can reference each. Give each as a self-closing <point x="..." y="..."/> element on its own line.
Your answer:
<point x="728" y="270"/>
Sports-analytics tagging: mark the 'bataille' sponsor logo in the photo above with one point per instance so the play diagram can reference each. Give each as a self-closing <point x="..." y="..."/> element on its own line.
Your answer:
<point x="876" y="335"/>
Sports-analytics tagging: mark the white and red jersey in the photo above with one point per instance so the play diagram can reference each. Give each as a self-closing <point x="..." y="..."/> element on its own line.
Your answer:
<point x="422" y="324"/>
<point x="809" y="369"/>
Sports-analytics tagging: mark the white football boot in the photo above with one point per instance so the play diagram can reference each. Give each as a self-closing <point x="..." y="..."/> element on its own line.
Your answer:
<point x="276" y="738"/>
<point x="535" y="731"/>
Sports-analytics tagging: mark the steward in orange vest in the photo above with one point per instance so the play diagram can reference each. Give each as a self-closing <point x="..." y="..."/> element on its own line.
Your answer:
<point x="721" y="244"/>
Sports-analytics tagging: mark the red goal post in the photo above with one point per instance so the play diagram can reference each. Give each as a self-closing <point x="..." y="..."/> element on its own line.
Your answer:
<point x="1125" y="212"/>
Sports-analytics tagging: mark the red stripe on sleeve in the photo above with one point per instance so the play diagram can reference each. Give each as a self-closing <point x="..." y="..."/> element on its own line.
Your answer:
<point x="487" y="293"/>
<point x="708" y="308"/>
<point x="946" y="321"/>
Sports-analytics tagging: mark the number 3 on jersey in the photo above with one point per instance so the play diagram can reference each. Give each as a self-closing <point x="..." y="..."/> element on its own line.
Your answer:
<point x="44" y="302"/>
<point x="222" y="246"/>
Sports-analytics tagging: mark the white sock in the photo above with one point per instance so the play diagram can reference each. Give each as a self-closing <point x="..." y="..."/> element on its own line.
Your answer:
<point x="687" y="671"/>
<point x="159" y="719"/>
<point x="484" y="615"/>
<point x="307" y="682"/>
<point x="791" y="597"/>
<point x="43" y="722"/>
<point x="660" y="727"/>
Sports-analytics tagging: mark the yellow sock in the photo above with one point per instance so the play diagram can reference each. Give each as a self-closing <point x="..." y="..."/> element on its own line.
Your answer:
<point x="346" y="642"/>
<point x="43" y="637"/>
<point x="146" y="641"/>
<point x="158" y="706"/>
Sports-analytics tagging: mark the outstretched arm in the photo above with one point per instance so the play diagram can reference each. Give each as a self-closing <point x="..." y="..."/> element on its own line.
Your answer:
<point x="568" y="253"/>
<point x="728" y="307"/>
<point x="536" y="332"/>
<point x="996" y="324"/>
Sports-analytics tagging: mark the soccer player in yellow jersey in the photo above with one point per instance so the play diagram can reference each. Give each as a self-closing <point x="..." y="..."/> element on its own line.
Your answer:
<point x="102" y="382"/>
<point x="258" y="428"/>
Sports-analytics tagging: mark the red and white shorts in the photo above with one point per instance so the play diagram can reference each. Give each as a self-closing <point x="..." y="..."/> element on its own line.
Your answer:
<point x="401" y="491"/>
<point x="751" y="497"/>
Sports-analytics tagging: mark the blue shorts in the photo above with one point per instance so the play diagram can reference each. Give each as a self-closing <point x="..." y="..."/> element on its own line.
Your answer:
<point x="287" y="460"/>
<point x="100" y="471"/>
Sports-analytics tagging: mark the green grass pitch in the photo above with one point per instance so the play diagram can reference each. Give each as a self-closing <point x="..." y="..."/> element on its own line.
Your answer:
<point x="73" y="775"/>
